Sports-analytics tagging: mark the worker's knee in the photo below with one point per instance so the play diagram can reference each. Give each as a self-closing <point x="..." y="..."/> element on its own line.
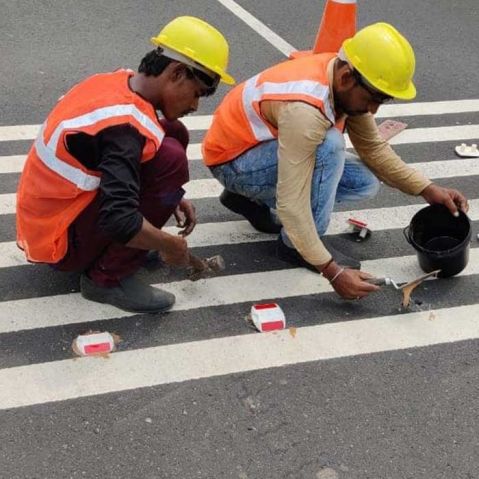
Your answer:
<point x="357" y="183"/>
<point x="177" y="130"/>
<point x="168" y="170"/>
<point x="334" y="142"/>
<point x="370" y="187"/>
<point x="331" y="152"/>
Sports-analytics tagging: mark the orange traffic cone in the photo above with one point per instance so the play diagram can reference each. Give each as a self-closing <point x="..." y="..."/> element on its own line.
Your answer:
<point x="337" y="23"/>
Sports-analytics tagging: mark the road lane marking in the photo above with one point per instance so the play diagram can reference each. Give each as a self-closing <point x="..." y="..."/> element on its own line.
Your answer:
<point x="259" y="27"/>
<point x="236" y="232"/>
<point x="412" y="136"/>
<point x="203" y="122"/>
<point x="211" y="188"/>
<point x="129" y="370"/>
<point x="30" y="132"/>
<point x="433" y="169"/>
<point x="448" y="107"/>
<point x="71" y="308"/>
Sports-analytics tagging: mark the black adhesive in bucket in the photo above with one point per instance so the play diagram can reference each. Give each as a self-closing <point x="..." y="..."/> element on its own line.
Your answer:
<point x="442" y="243"/>
<point x="440" y="239"/>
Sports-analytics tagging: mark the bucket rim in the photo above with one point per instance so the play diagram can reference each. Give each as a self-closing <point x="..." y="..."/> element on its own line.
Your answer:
<point x="427" y="209"/>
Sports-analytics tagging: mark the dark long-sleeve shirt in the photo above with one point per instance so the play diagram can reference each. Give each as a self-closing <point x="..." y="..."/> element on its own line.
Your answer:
<point x="115" y="152"/>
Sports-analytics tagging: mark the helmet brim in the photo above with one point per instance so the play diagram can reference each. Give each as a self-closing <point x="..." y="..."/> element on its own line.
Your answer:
<point x="225" y="77"/>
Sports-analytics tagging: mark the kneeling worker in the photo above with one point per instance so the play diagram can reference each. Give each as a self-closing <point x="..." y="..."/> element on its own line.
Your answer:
<point x="105" y="173"/>
<point x="276" y="142"/>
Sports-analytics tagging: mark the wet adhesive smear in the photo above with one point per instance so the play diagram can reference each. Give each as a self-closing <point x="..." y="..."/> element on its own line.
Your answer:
<point x="415" y="306"/>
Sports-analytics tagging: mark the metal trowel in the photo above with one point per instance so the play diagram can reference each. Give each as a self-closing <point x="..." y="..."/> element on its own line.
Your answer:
<point x="406" y="288"/>
<point x="391" y="282"/>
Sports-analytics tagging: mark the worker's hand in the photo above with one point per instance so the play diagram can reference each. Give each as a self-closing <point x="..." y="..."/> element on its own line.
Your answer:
<point x="350" y="284"/>
<point x="174" y="250"/>
<point x="185" y="215"/>
<point x="452" y="199"/>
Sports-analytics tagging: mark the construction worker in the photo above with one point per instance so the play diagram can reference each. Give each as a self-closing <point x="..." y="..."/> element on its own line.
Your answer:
<point x="276" y="143"/>
<point x="105" y="173"/>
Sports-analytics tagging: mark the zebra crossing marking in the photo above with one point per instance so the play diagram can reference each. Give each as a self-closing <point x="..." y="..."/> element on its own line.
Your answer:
<point x="203" y="122"/>
<point x="71" y="308"/>
<point x="236" y="232"/>
<point x="81" y="378"/>
<point x="128" y="370"/>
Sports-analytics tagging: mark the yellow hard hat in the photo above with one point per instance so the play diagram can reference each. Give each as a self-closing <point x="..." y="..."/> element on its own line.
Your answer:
<point x="198" y="41"/>
<point x="384" y="58"/>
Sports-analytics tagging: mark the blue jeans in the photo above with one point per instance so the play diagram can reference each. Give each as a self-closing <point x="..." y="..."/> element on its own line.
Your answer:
<point x="338" y="176"/>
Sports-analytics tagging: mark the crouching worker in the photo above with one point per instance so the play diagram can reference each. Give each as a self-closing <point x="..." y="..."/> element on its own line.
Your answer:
<point x="105" y="173"/>
<point x="276" y="142"/>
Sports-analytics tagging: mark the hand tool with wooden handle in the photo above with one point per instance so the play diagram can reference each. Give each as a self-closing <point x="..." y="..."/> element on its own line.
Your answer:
<point x="202" y="268"/>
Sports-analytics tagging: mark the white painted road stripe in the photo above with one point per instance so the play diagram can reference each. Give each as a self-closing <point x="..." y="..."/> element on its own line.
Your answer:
<point x="414" y="135"/>
<point x="203" y="122"/>
<point x="259" y="27"/>
<point x="436" y="134"/>
<point x="448" y="168"/>
<point x="211" y="188"/>
<point x="235" y="232"/>
<point x="76" y="378"/>
<point x="15" y="163"/>
<point x="12" y="164"/>
<point x="205" y="234"/>
<point x="30" y="132"/>
<point x="432" y="135"/>
<point x="71" y="308"/>
<point x="195" y="189"/>
<point x="395" y="110"/>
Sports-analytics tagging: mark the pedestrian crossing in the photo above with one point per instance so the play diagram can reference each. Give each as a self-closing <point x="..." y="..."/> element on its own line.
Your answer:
<point x="327" y="327"/>
<point x="210" y="188"/>
<point x="126" y="370"/>
<point x="224" y="290"/>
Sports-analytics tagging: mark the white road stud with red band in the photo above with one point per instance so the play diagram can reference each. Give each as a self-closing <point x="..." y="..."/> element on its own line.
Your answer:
<point x="96" y="343"/>
<point x="268" y="317"/>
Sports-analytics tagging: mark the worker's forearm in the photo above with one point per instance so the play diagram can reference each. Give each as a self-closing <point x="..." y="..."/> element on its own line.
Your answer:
<point x="381" y="158"/>
<point x="301" y="230"/>
<point x="173" y="249"/>
<point x="149" y="237"/>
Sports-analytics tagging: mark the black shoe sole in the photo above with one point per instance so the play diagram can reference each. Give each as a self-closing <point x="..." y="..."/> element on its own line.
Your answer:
<point x="259" y="216"/>
<point x="291" y="256"/>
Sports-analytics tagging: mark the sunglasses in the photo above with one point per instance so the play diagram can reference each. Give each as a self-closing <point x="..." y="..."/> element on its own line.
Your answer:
<point x="210" y="82"/>
<point x="376" y="96"/>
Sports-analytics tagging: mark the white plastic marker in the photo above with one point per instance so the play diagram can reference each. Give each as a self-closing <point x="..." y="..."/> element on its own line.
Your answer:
<point x="467" y="151"/>
<point x="268" y="317"/>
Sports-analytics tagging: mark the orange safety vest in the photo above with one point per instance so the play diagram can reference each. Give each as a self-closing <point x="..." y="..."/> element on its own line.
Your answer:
<point x="55" y="187"/>
<point x="238" y="124"/>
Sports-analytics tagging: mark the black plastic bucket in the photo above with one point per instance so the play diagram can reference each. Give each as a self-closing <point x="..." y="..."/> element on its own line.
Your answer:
<point x="440" y="239"/>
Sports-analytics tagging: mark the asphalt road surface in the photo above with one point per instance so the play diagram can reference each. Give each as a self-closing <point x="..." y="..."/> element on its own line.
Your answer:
<point x="351" y="389"/>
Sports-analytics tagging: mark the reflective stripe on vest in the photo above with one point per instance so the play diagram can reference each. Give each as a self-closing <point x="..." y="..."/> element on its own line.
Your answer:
<point x="253" y="93"/>
<point x="82" y="180"/>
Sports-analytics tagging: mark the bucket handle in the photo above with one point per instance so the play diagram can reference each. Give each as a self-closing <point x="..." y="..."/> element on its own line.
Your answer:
<point x="405" y="232"/>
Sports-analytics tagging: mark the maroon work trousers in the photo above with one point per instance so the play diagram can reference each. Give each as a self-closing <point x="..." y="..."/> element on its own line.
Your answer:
<point x="106" y="261"/>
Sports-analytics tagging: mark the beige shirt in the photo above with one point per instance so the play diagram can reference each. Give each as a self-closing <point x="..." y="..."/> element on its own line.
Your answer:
<point x="301" y="128"/>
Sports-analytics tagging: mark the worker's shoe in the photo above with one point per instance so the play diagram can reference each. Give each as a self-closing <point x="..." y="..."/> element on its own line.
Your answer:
<point x="258" y="215"/>
<point x="153" y="261"/>
<point x="130" y="295"/>
<point x="291" y="256"/>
